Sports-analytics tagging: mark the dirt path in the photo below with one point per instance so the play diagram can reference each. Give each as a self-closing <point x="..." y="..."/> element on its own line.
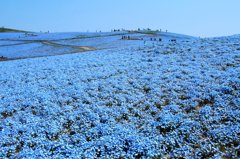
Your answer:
<point x="76" y="49"/>
<point x="80" y="48"/>
<point x="50" y="43"/>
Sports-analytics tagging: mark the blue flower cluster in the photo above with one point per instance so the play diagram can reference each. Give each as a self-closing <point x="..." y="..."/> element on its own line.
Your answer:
<point x="157" y="100"/>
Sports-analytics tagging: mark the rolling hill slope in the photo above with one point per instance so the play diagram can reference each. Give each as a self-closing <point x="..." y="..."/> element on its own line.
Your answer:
<point x="20" y="45"/>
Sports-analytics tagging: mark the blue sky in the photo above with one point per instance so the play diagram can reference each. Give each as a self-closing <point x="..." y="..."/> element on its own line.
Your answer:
<point x="203" y="18"/>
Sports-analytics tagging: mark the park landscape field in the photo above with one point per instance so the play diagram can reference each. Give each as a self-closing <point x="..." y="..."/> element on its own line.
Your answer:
<point x="122" y="94"/>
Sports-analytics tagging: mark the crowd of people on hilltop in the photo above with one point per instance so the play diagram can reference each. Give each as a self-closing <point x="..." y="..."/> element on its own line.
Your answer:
<point x="124" y="37"/>
<point x="2" y="58"/>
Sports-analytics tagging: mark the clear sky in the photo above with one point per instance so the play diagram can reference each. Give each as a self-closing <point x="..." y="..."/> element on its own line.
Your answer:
<point x="205" y="18"/>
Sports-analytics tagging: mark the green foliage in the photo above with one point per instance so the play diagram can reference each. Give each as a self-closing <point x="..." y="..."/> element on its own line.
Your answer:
<point x="3" y="29"/>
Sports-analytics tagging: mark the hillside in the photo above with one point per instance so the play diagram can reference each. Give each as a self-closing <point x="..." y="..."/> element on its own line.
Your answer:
<point x="26" y="45"/>
<point x="4" y="30"/>
<point x="129" y="98"/>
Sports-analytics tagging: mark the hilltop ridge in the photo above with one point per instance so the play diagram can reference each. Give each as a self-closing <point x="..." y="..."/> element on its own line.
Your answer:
<point x="3" y="29"/>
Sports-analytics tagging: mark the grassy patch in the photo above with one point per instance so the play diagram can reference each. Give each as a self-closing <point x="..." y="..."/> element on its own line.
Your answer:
<point x="151" y="32"/>
<point x="2" y="30"/>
